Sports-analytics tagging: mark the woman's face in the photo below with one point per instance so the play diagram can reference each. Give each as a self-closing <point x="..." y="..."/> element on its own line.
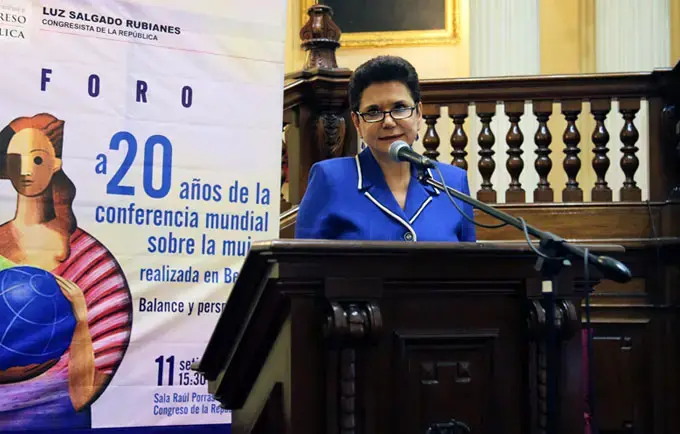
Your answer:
<point x="31" y="162"/>
<point x="391" y="95"/>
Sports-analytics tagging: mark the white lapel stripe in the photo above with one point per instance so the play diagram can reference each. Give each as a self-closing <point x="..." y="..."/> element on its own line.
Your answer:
<point x="429" y="172"/>
<point x="422" y="207"/>
<point x="359" y="175"/>
<point x="391" y="214"/>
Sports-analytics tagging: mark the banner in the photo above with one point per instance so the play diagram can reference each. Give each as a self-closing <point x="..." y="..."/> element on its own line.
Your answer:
<point x="139" y="159"/>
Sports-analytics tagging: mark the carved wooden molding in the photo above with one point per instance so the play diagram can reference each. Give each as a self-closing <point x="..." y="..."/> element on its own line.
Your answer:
<point x="566" y="320"/>
<point x="320" y="36"/>
<point x="349" y="325"/>
<point x="567" y="324"/>
<point x="447" y="361"/>
<point x="330" y="135"/>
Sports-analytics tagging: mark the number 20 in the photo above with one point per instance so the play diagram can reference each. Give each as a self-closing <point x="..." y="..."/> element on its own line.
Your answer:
<point x="114" y="186"/>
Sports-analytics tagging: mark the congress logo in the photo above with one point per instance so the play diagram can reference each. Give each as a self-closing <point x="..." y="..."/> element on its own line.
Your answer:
<point x="14" y="22"/>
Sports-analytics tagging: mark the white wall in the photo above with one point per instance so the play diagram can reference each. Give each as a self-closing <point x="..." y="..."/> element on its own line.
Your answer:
<point x="504" y="40"/>
<point x="631" y="36"/>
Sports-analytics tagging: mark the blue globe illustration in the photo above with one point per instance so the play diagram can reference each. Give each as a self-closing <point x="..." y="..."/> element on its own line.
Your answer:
<point x="36" y="322"/>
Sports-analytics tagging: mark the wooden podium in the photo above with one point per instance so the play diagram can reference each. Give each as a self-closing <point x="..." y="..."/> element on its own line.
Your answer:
<point x="393" y="337"/>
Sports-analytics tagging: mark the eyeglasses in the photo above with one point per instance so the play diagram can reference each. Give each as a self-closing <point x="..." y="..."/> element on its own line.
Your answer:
<point x="398" y="113"/>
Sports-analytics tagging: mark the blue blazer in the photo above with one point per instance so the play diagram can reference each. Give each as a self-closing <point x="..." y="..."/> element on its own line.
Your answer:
<point x="348" y="199"/>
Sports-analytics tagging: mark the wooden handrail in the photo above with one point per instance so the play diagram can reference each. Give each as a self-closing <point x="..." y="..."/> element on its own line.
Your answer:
<point x="544" y="87"/>
<point x="324" y="93"/>
<point x="658" y="83"/>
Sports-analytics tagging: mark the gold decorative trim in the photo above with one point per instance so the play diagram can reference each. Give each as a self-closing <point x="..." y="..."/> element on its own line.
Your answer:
<point x="587" y="36"/>
<point x="450" y="35"/>
<point x="675" y="31"/>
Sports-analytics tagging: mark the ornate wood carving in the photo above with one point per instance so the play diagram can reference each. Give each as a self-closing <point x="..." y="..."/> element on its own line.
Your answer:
<point x="535" y="320"/>
<point x="436" y="364"/>
<point x="347" y="326"/>
<point x="330" y="135"/>
<point x="567" y="324"/>
<point x="320" y="37"/>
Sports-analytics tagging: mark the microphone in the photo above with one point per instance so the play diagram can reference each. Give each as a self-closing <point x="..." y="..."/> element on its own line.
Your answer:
<point x="401" y="151"/>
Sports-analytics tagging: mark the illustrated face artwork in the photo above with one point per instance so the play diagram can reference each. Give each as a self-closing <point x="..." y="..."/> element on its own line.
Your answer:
<point x="31" y="162"/>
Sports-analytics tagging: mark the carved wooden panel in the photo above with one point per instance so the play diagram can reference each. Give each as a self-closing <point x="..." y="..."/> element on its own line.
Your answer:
<point x="438" y="368"/>
<point x="623" y="377"/>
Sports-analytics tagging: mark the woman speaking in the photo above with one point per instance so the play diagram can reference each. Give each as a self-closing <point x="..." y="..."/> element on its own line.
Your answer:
<point x="372" y="196"/>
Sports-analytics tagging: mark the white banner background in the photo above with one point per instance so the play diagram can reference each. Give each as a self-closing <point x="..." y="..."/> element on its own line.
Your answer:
<point x="227" y="62"/>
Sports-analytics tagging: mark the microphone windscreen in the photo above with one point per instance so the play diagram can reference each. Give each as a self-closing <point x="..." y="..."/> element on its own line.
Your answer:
<point x="395" y="147"/>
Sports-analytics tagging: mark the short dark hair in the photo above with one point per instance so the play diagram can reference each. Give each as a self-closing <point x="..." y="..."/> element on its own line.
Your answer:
<point x="379" y="70"/>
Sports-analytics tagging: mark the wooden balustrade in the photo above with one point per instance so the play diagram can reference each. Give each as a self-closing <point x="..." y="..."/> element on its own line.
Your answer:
<point x="318" y="100"/>
<point x="315" y="105"/>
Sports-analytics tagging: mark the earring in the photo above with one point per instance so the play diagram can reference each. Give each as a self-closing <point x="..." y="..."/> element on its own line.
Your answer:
<point x="417" y="136"/>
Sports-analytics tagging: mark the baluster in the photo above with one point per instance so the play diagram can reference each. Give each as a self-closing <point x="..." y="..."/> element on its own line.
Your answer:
<point x="515" y="193"/>
<point x="431" y="138"/>
<point x="458" y="112"/>
<point x="601" y="191"/>
<point x="572" y="163"/>
<point x="629" y="107"/>
<point x="287" y="121"/>
<point x="543" y="164"/>
<point x="486" y="140"/>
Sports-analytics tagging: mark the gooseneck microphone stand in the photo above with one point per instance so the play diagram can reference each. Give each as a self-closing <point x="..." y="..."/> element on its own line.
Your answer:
<point x="554" y="254"/>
